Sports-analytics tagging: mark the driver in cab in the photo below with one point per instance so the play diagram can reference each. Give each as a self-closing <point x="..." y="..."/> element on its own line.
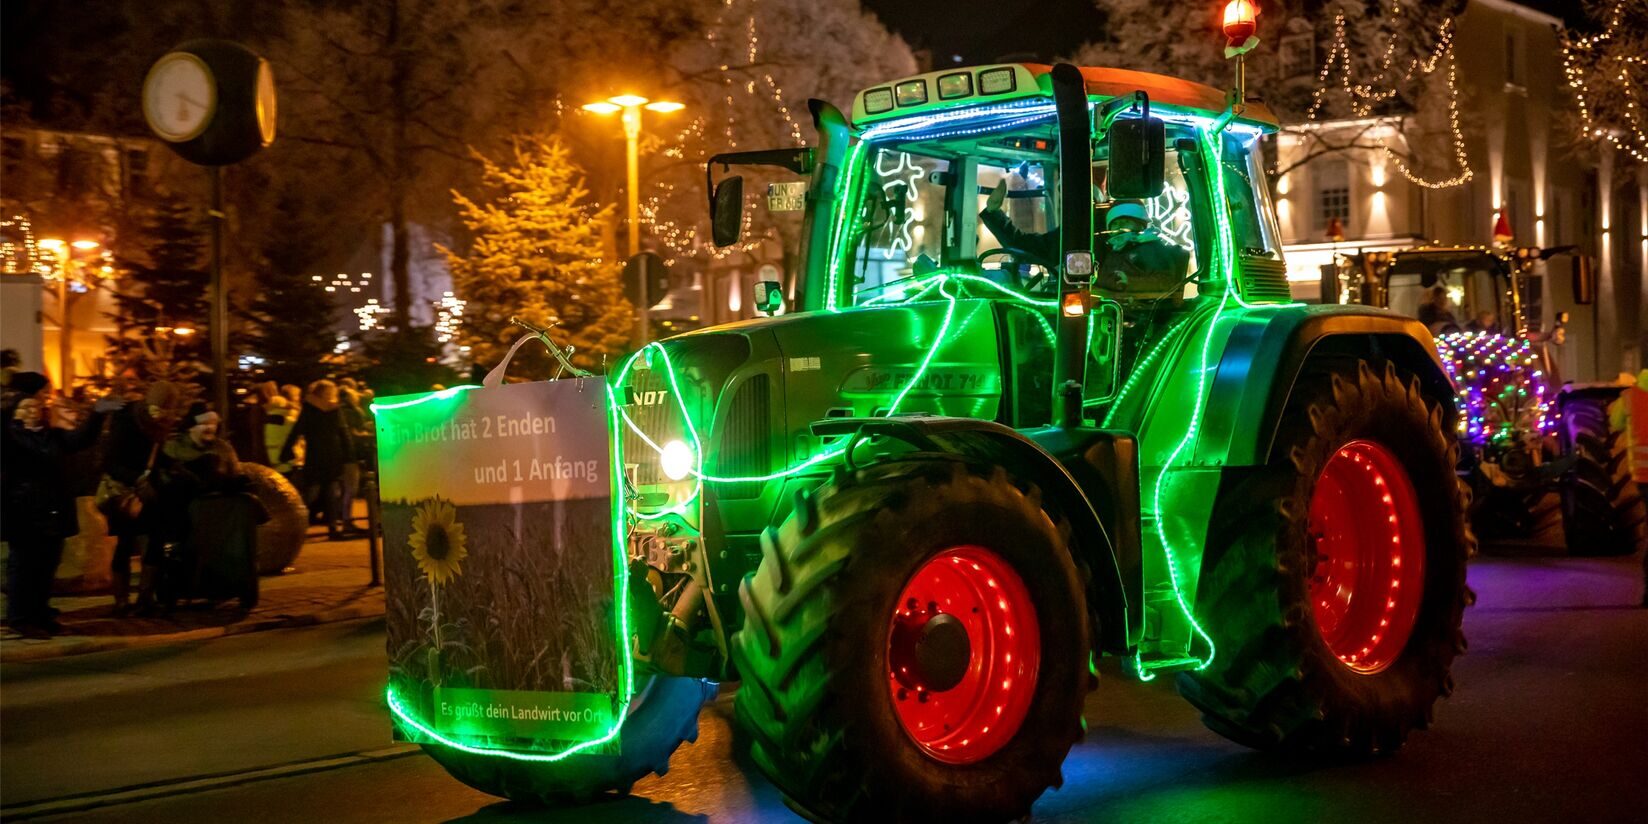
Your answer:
<point x="1134" y="259"/>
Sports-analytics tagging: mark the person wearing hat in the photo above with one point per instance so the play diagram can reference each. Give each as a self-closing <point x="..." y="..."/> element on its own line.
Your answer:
<point x="132" y="457"/>
<point x="1134" y="257"/>
<point x="1135" y="260"/>
<point x="37" y="496"/>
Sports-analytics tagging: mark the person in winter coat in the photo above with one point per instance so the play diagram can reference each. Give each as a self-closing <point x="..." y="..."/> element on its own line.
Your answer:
<point x="327" y="447"/>
<point x="278" y="416"/>
<point x="37" y="496"/>
<point x="131" y="459"/>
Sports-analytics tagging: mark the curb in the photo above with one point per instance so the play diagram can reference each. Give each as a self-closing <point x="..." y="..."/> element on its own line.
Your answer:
<point x="198" y="784"/>
<point x="15" y="652"/>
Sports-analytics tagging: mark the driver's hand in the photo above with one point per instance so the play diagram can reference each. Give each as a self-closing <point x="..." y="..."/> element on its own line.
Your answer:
<point x="998" y="195"/>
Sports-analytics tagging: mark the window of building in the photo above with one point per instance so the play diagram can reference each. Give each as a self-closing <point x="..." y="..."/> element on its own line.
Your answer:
<point x="1332" y="179"/>
<point x="1514" y="69"/>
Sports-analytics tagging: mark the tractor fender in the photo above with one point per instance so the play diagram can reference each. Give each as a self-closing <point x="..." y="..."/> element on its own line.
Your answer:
<point x="1053" y="458"/>
<point x="1266" y="352"/>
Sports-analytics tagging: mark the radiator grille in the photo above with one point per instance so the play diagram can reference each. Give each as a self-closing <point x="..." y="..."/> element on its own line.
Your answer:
<point x="743" y="445"/>
<point x="1265" y="281"/>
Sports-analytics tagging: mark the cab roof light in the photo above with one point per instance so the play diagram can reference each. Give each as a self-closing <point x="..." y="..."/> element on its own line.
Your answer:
<point x="910" y="93"/>
<point x="954" y="86"/>
<point x="997" y="81"/>
<point x="878" y="101"/>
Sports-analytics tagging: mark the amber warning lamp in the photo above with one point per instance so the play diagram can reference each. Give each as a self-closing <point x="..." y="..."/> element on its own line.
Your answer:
<point x="1241" y="21"/>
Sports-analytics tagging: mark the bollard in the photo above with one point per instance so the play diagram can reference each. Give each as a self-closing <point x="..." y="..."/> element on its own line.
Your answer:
<point x="373" y="530"/>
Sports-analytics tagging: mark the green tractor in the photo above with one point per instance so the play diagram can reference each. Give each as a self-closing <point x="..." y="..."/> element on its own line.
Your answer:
<point x="1544" y="464"/>
<point x="1040" y="395"/>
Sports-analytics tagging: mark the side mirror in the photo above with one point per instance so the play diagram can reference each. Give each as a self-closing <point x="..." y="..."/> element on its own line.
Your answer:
<point x="769" y="297"/>
<point x="1584" y="281"/>
<point x="1138" y="158"/>
<point x="727" y="211"/>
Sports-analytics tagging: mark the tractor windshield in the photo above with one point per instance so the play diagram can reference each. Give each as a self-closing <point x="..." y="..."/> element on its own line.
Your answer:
<point x="1456" y="294"/>
<point x="986" y="202"/>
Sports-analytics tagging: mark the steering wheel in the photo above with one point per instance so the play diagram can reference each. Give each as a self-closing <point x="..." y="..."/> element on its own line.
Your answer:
<point x="1012" y="259"/>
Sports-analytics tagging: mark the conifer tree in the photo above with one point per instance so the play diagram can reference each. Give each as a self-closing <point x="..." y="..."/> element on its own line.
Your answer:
<point x="535" y="253"/>
<point x="162" y="289"/>
<point x="292" y="318"/>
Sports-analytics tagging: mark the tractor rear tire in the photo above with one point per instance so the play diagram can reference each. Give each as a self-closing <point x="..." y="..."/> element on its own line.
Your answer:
<point x="662" y="714"/>
<point x="1602" y="512"/>
<point x="1283" y="676"/>
<point x="825" y="715"/>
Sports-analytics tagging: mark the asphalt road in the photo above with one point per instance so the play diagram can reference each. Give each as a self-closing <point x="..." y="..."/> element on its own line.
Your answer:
<point x="1549" y="723"/>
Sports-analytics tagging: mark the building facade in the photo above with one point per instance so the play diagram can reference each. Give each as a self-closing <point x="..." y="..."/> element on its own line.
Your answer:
<point x="1513" y="96"/>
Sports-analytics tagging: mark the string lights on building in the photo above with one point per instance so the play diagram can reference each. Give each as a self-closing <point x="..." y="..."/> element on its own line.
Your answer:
<point x="1587" y="62"/>
<point x="341" y="282"/>
<point x="371" y="315"/>
<point x="449" y="311"/>
<point x="1364" y="97"/>
<point x="19" y="253"/>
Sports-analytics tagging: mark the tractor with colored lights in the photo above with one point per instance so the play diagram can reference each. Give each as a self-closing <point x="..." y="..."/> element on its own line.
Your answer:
<point x="1543" y="462"/>
<point x="1039" y="395"/>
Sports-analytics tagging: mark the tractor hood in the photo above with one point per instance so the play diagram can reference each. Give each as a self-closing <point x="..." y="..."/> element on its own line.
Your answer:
<point x="753" y="388"/>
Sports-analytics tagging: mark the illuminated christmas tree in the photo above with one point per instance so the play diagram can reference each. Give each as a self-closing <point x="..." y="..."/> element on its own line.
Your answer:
<point x="535" y="253"/>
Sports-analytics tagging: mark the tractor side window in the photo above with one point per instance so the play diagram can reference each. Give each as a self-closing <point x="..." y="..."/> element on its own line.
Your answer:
<point x="1252" y="218"/>
<point x="903" y="217"/>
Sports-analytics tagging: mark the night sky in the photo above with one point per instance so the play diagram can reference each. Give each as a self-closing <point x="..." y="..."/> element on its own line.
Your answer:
<point x="983" y="31"/>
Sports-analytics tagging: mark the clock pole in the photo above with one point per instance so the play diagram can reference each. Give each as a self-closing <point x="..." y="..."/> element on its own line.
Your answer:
<point x="220" y="306"/>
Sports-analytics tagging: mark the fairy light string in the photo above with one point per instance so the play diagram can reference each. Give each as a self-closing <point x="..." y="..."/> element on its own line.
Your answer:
<point x="1365" y="97"/>
<point x="1590" y="54"/>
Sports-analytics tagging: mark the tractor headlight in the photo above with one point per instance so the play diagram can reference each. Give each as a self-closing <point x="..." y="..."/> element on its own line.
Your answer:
<point x="676" y="460"/>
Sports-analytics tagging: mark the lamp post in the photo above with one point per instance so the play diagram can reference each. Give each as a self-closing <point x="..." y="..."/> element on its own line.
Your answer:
<point x="630" y="105"/>
<point x="66" y="265"/>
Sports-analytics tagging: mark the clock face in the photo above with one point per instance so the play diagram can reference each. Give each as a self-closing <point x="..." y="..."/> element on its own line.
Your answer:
<point x="179" y="97"/>
<point x="266" y="102"/>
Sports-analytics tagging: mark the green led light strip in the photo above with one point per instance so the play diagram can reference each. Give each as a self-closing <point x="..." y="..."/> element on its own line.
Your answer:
<point x="438" y="395"/>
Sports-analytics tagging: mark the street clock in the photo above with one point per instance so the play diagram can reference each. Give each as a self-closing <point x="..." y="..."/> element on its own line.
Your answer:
<point x="212" y="101"/>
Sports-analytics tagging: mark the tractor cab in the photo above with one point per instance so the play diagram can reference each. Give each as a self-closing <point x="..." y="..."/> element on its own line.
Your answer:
<point x="1454" y="290"/>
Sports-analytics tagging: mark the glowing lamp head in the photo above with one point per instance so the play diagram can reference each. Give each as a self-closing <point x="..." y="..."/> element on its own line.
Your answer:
<point x="676" y="459"/>
<point x="1241" y="21"/>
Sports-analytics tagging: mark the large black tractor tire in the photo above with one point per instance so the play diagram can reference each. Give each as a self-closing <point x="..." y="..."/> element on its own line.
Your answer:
<point x="1274" y="683"/>
<point x="816" y="703"/>
<point x="663" y="714"/>
<point x="1602" y="513"/>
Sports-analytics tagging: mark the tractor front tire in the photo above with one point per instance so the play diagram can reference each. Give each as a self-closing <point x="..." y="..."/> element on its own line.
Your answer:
<point x="662" y="714"/>
<point x="914" y="647"/>
<point x="1318" y="646"/>
<point x="1602" y="513"/>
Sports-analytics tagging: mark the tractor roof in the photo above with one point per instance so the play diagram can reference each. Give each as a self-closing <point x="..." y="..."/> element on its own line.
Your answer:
<point x="954" y="88"/>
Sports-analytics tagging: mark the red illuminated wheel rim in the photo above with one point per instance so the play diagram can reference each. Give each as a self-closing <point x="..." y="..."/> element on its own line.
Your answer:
<point x="1368" y="575"/>
<point x="962" y="654"/>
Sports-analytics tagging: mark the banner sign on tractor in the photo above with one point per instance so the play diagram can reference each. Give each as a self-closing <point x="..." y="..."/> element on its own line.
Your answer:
<point x="498" y="564"/>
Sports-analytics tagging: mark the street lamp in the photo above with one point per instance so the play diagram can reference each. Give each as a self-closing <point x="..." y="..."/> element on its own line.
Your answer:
<point x="68" y="269"/>
<point x="631" y="105"/>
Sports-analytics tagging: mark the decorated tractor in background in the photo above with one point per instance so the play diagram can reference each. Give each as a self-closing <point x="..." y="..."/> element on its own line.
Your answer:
<point x="1040" y="395"/>
<point x="1539" y="453"/>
